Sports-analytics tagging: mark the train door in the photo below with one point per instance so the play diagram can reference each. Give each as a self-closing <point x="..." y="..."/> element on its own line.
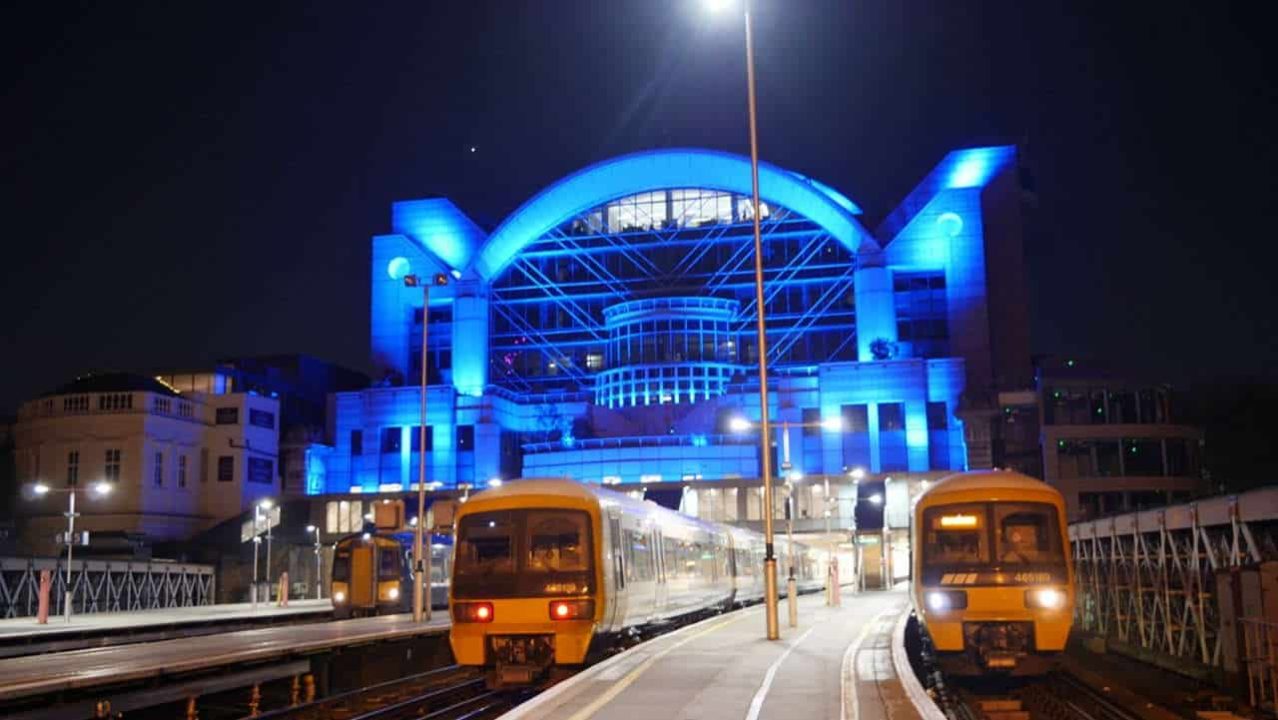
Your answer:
<point x="363" y="576"/>
<point x="618" y="572"/>
<point x="659" y="563"/>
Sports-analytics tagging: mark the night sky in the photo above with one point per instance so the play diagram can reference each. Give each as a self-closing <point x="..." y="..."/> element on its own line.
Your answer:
<point x="186" y="181"/>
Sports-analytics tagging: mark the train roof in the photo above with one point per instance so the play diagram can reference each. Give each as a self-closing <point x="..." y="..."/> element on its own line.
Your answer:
<point x="987" y="480"/>
<point x="586" y="492"/>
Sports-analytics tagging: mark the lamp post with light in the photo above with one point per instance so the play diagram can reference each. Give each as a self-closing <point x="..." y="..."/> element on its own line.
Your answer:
<point x="769" y="559"/>
<point x="319" y="579"/>
<point x="100" y="489"/>
<point x="258" y="507"/>
<point x="420" y="568"/>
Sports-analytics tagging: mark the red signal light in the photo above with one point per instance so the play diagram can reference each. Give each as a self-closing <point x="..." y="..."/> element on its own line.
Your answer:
<point x="481" y="612"/>
<point x="572" y="609"/>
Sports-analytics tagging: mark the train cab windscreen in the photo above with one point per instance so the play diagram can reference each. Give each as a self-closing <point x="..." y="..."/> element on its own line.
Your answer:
<point x="1011" y="536"/>
<point x="523" y="553"/>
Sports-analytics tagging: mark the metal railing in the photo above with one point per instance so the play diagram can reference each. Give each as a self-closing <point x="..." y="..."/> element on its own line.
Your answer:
<point x="103" y="585"/>
<point x="1260" y="657"/>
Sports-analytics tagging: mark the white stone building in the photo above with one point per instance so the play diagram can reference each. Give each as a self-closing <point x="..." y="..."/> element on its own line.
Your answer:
<point x="178" y="462"/>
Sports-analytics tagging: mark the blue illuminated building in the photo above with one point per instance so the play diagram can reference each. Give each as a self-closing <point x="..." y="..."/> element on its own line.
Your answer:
<point x="605" y="329"/>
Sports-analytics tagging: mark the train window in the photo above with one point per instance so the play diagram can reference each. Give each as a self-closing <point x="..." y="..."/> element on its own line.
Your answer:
<point x="558" y="541"/>
<point x="388" y="564"/>
<point x="956" y="535"/>
<point x="638" y="557"/>
<point x="485" y="544"/>
<point x="1027" y="533"/>
<point x="342" y="567"/>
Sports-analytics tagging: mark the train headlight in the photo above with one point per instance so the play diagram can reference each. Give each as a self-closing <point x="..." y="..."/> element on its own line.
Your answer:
<point x="946" y="600"/>
<point x="1044" y="598"/>
<point x="480" y="612"/>
<point x="393" y="593"/>
<point x="339" y="597"/>
<point x="572" y="609"/>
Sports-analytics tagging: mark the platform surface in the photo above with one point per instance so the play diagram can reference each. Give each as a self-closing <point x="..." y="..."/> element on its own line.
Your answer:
<point x="835" y="665"/>
<point x="52" y="672"/>
<point x="11" y="628"/>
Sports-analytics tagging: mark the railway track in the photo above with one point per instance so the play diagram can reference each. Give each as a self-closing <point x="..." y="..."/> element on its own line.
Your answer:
<point x="1057" y="696"/>
<point x="449" y="693"/>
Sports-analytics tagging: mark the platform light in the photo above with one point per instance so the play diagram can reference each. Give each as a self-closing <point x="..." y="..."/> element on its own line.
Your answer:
<point x="857" y="474"/>
<point x="739" y="424"/>
<point x="265" y="503"/>
<point x="102" y="488"/>
<point x="876" y="498"/>
<point x="40" y="489"/>
<point x="833" y="424"/>
<point x="494" y="482"/>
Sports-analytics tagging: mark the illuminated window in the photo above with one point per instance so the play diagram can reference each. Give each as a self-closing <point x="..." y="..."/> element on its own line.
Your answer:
<point x="594" y="361"/>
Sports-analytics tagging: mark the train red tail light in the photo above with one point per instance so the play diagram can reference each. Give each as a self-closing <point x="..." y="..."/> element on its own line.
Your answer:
<point x="572" y="609"/>
<point x="476" y="612"/>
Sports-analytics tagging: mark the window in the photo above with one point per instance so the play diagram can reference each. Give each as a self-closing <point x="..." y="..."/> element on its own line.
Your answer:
<point x="388" y="564"/>
<point x="416" y="442"/>
<point x="938" y="418"/>
<point x="159" y="469"/>
<point x="225" y="468"/>
<point x="260" y="471"/>
<point x="261" y="418"/>
<point x="1027" y="534"/>
<point x="204" y="465"/>
<point x="390" y="439"/>
<point x="181" y="471"/>
<point x="344" y="516"/>
<point x="956" y="535"/>
<point x="465" y="437"/>
<point x="891" y="417"/>
<point x="856" y="419"/>
<point x="811" y="421"/>
<point x="227" y="416"/>
<point x="73" y="468"/>
<point x="594" y="361"/>
<point x="1142" y="457"/>
<point x="357" y="442"/>
<point x="111" y="471"/>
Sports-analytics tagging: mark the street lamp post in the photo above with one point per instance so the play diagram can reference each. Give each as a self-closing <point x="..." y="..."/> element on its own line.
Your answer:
<point x="765" y="446"/>
<point x="41" y="489"/>
<point x="319" y="579"/>
<point x="421" y="563"/>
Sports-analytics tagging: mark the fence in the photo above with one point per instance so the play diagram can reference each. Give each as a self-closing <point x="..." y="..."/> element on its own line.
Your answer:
<point x="103" y="585"/>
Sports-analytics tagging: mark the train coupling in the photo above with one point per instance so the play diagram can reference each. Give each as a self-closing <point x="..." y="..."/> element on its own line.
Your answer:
<point x="519" y="660"/>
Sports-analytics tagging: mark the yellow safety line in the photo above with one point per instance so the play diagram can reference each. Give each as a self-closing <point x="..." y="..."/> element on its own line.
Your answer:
<point x="612" y="692"/>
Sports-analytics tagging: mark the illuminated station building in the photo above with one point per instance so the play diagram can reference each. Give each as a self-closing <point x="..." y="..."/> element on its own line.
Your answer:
<point x="605" y="331"/>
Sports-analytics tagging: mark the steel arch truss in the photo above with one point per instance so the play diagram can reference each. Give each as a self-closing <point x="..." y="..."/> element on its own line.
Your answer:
<point x="1147" y="579"/>
<point x="547" y="306"/>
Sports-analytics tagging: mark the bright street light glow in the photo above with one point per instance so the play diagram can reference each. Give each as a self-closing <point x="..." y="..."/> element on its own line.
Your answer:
<point x="494" y="482"/>
<point x="102" y="488"/>
<point x="877" y="499"/>
<point x="40" y="489"/>
<point x="739" y="424"/>
<point x="857" y="473"/>
<point x="265" y="503"/>
<point x="311" y="528"/>
<point x="716" y="6"/>
<point x="835" y="424"/>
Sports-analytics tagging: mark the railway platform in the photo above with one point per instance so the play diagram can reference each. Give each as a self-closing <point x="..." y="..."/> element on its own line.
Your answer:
<point x="23" y="636"/>
<point x="837" y="664"/>
<point x="189" y="668"/>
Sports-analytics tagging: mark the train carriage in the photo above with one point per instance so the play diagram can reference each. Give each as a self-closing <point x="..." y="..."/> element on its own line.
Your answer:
<point x="547" y="570"/>
<point x="992" y="582"/>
